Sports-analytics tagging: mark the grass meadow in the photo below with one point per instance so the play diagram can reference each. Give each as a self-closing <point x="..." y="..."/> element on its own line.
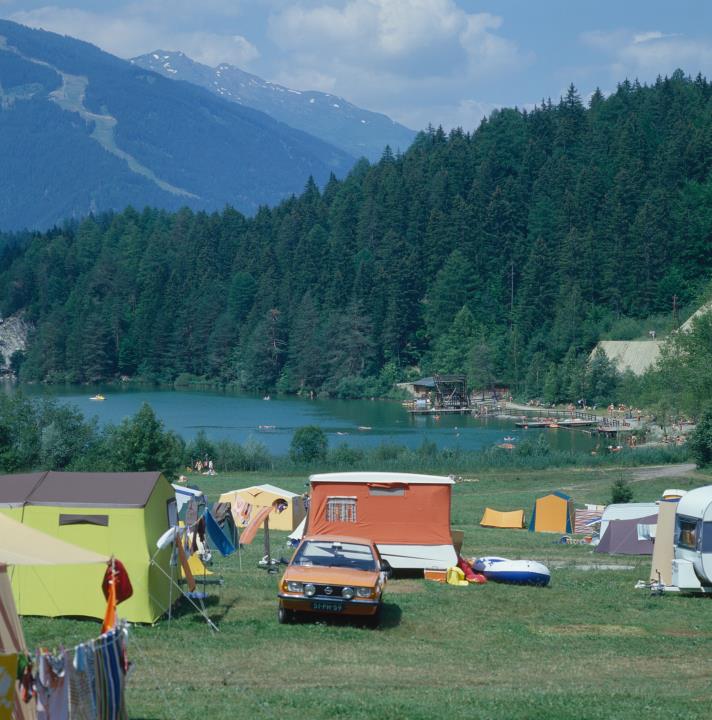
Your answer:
<point x="589" y="646"/>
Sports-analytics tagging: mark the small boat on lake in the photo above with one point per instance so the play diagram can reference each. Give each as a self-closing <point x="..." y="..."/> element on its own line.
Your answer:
<point x="97" y="397"/>
<point x="514" y="572"/>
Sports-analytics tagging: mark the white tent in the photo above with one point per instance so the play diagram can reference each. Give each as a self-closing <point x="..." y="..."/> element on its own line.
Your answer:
<point x="23" y="545"/>
<point x="626" y="511"/>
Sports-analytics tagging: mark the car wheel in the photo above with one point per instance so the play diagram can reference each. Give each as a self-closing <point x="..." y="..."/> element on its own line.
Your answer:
<point x="283" y="615"/>
<point x="374" y="620"/>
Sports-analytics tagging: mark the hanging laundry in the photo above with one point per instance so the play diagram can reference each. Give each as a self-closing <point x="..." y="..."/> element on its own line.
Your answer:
<point x="8" y="673"/>
<point x="218" y="537"/>
<point x="25" y="678"/>
<point x="52" y="687"/>
<point x="124" y="589"/>
<point x="110" y="656"/>
<point x="82" y="684"/>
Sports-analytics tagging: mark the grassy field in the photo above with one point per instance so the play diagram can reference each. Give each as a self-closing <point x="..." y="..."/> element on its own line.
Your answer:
<point x="589" y="646"/>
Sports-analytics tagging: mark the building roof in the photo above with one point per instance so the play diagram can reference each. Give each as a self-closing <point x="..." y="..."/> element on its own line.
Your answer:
<point x="69" y="489"/>
<point x="382" y="478"/>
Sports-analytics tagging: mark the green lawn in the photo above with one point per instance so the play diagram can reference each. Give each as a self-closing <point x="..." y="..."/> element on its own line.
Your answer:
<point x="589" y="646"/>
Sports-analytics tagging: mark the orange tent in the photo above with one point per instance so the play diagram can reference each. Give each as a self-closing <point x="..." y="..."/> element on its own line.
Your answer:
<point x="406" y="515"/>
<point x="513" y="519"/>
<point x="553" y="513"/>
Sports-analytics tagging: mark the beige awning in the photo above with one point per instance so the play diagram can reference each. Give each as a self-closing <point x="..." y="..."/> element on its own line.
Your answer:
<point x="23" y="545"/>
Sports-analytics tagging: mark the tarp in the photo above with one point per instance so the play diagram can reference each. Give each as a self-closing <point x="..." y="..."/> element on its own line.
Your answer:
<point x="553" y="513"/>
<point x="621" y="537"/>
<point x="23" y="545"/>
<point x="503" y="519"/>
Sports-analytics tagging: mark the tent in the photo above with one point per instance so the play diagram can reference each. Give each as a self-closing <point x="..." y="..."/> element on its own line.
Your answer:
<point x="622" y="537"/>
<point x="260" y="496"/>
<point x="22" y="547"/>
<point x="406" y="515"/>
<point x="503" y="519"/>
<point x="121" y="514"/>
<point x="626" y="511"/>
<point x="553" y="513"/>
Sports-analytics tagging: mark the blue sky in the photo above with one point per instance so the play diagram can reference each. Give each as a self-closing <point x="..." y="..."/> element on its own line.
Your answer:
<point x="420" y="61"/>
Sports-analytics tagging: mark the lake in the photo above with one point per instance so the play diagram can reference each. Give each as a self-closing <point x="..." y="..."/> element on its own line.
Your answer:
<point x="240" y="417"/>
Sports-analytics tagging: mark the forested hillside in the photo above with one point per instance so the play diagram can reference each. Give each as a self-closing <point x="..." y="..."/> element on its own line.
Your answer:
<point x="82" y="131"/>
<point x="504" y="253"/>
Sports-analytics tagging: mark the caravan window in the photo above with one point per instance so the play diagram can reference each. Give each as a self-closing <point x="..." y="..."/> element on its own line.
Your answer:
<point x="341" y="509"/>
<point x="384" y="490"/>
<point x="687" y="533"/>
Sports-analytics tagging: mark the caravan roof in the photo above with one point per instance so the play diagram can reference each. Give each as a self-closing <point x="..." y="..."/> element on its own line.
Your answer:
<point x="696" y="503"/>
<point x="382" y="477"/>
<point x="127" y="490"/>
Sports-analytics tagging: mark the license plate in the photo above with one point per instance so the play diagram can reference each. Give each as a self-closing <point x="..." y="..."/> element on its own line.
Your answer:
<point x="326" y="606"/>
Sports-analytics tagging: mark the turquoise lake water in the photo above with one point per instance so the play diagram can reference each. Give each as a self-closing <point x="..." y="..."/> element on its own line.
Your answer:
<point x="358" y="423"/>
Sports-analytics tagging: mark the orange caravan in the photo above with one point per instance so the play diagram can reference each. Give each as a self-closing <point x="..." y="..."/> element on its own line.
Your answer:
<point x="406" y="515"/>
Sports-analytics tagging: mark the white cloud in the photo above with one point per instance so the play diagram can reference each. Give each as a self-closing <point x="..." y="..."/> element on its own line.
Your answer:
<point x="127" y="34"/>
<point x="650" y="53"/>
<point x="392" y="54"/>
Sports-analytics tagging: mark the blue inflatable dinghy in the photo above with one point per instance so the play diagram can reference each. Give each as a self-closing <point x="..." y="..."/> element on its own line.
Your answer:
<point x="514" y="572"/>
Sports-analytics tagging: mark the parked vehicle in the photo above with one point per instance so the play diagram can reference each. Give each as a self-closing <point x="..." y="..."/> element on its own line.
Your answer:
<point x="331" y="575"/>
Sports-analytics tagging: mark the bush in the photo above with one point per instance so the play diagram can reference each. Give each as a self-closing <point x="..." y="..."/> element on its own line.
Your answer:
<point x="309" y="444"/>
<point x="700" y="442"/>
<point x="346" y="456"/>
<point x="621" y="491"/>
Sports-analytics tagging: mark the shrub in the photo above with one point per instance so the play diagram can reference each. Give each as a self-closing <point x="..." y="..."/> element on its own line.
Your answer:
<point x="308" y="444"/>
<point x="621" y="491"/>
<point x="346" y="456"/>
<point x="700" y="442"/>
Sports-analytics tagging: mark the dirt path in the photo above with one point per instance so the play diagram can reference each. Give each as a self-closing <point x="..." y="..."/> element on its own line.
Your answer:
<point x="661" y="471"/>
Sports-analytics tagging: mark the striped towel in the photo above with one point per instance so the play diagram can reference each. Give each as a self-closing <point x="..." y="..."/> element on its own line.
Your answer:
<point x="586" y="520"/>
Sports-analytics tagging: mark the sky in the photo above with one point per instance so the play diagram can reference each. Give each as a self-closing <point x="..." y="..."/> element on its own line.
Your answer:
<point x="443" y="62"/>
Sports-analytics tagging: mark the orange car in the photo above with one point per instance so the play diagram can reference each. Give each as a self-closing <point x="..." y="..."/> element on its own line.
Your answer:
<point x="334" y="576"/>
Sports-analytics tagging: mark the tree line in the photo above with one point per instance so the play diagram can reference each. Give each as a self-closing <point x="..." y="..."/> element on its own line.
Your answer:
<point x="505" y="253"/>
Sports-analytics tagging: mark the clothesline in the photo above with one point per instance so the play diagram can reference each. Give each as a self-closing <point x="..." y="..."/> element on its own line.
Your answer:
<point x="86" y="682"/>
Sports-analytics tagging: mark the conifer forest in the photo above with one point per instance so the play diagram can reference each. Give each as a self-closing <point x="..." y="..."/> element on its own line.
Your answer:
<point x="501" y="253"/>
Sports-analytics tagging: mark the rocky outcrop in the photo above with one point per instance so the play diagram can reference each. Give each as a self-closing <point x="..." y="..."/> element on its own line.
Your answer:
<point x="13" y="337"/>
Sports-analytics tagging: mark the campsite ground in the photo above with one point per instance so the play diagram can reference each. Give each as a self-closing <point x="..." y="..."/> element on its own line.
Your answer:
<point x="589" y="646"/>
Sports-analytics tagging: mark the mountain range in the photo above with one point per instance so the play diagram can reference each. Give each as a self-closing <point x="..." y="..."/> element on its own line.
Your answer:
<point x="83" y="131"/>
<point x="356" y="131"/>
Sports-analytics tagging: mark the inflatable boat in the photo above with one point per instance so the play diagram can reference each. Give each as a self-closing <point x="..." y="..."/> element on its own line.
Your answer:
<point x="515" y="572"/>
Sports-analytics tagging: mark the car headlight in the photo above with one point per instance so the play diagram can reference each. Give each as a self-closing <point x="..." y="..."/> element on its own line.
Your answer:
<point x="309" y="590"/>
<point x="364" y="592"/>
<point x="347" y="593"/>
<point x="294" y="586"/>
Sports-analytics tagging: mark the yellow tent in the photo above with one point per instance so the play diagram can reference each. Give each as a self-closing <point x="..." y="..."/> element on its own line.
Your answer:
<point x="22" y="546"/>
<point x="260" y="496"/>
<point x="507" y="519"/>
<point x="120" y="514"/>
<point x="553" y="513"/>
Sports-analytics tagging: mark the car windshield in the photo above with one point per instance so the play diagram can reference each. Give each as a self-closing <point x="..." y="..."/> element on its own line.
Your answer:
<point x="335" y="554"/>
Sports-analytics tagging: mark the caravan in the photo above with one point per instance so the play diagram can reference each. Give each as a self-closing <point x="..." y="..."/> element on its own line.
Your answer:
<point x="692" y="565"/>
<point x="406" y="515"/>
